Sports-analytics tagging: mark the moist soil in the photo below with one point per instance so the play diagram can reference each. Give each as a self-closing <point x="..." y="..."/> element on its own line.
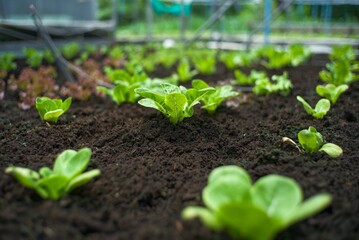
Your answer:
<point x="152" y="169"/>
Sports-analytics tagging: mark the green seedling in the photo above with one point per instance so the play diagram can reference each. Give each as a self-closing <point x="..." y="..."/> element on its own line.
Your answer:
<point x="49" y="57"/>
<point x="342" y="52"/>
<point x="205" y="64"/>
<point x="125" y="82"/>
<point x="234" y="59"/>
<point x="242" y="79"/>
<point x="339" y="72"/>
<point x="320" y="110"/>
<point x="70" y="50"/>
<point x="33" y="57"/>
<point x="279" y="84"/>
<point x="51" y="109"/>
<point x="312" y="141"/>
<point x="7" y="62"/>
<point x="66" y="175"/>
<point x="184" y="70"/>
<point x="213" y="100"/>
<point x="331" y="92"/>
<point x="176" y="103"/>
<point x="255" y="211"/>
<point x="298" y="54"/>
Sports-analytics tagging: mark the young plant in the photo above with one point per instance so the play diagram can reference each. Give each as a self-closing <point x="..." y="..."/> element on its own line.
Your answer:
<point x="342" y="52"/>
<point x="184" y="70"/>
<point x="242" y="79"/>
<point x="339" y="72"/>
<point x="125" y="85"/>
<point x="66" y="175"/>
<point x="70" y="50"/>
<point x="205" y="64"/>
<point x="33" y="57"/>
<point x="320" y="110"/>
<point x="280" y="84"/>
<point x="7" y="62"/>
<point x="176" y="103"/>
<point x="51" y="109"/>
<point x="312" y="141"/>
<point x="213" y="100"/>
<point x="256" y="211"/>
<point x="49" y="57"/>
<point x="234" y="59"/>
<point x="331" y="92"/>
<point x="298" y="54"/>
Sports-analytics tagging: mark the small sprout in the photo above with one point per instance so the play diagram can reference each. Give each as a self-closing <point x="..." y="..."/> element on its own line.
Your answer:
<point x="339" y="72"/>
<point x="312" y="141"/>
<point x="66" y="175"/>
<point x="320" y="110"/>
<point x="174" y="102"/>
<point x="331" y="92"/>
<point x="7" y="62"/>
<point x="70" y="50"/>
<point x="205" y="63"/>
<point x="51" y="109"/>
<point x="242" y="79"/>
<point x="184" y="70"/>
<point x="256" y="211"/>
<point x="49" y="56"/>
<point x="213" y="100"/>
<point x="33" y="57"/>
<point x="279" y="84"/>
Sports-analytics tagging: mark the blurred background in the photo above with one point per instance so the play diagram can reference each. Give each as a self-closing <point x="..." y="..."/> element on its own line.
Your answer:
<point x="254" y="21"/>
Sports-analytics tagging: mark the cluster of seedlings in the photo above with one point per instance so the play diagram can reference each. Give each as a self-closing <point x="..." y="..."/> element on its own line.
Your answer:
<point x="269" y="205"/>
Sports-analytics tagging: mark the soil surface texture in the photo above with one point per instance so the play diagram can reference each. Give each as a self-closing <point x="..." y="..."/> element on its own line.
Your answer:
<point x="151" y="169"/>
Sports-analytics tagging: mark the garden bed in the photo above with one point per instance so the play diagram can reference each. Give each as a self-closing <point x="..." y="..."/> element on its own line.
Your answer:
<point x="151" y="169"/>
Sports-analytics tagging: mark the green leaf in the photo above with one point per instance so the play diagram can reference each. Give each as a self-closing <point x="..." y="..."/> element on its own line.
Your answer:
<point x="276" y="195"/>
<point x="45" y="172"/>
<point x="199" y="84"/>
<point x="54" y="186"/>
<point x="66" y="104"/>
<point x="332" y="150"/>
<point x="309" y="207"/>
<point x="25" y="176"/>
<point x="321" y="108"/>
<point x="53" y="116"/>
<point x="176" y="103"/>
<point x="146" y="102"/>
<point x="310" y="140"/>
<point x="227" y="189"/>
<point x="207" y="217"/>
<point x="246" y="221"/>
<point x="231" y="170"/>
<point x="306" y="106"/>
<point x="82" y="179"/>
<point x="331" y="92"/>
<point x="71" y="163"/>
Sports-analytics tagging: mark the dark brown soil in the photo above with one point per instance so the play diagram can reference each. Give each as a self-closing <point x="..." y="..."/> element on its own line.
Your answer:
<point x="151" y="169"/>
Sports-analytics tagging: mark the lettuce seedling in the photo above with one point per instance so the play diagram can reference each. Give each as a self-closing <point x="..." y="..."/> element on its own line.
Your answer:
<point x="330" y="91"/>
<point x="70" y="50"/>
<point x="312" y="141"/>
<point x="7" y="62"/>
<point x="339" y="72"/>
<point x="184" y="70"/>
<point x="125" y="84"/>
<point x="320" y="110"/>
<point x="242" y="79"/>
<point x="233" y="59"/>
<point x="280" y="84"/>
<point x="66" y="175"/>
<point x="298" y="54"/>
<point x="256" y="211"/>
<point x="176" y="103"/>
<point x="342" y="52"/>
<point x="33" y="57"/>
<point x="212" y="100"/>
<point x="205" y="64"/>
<point x="51" y="109"/>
